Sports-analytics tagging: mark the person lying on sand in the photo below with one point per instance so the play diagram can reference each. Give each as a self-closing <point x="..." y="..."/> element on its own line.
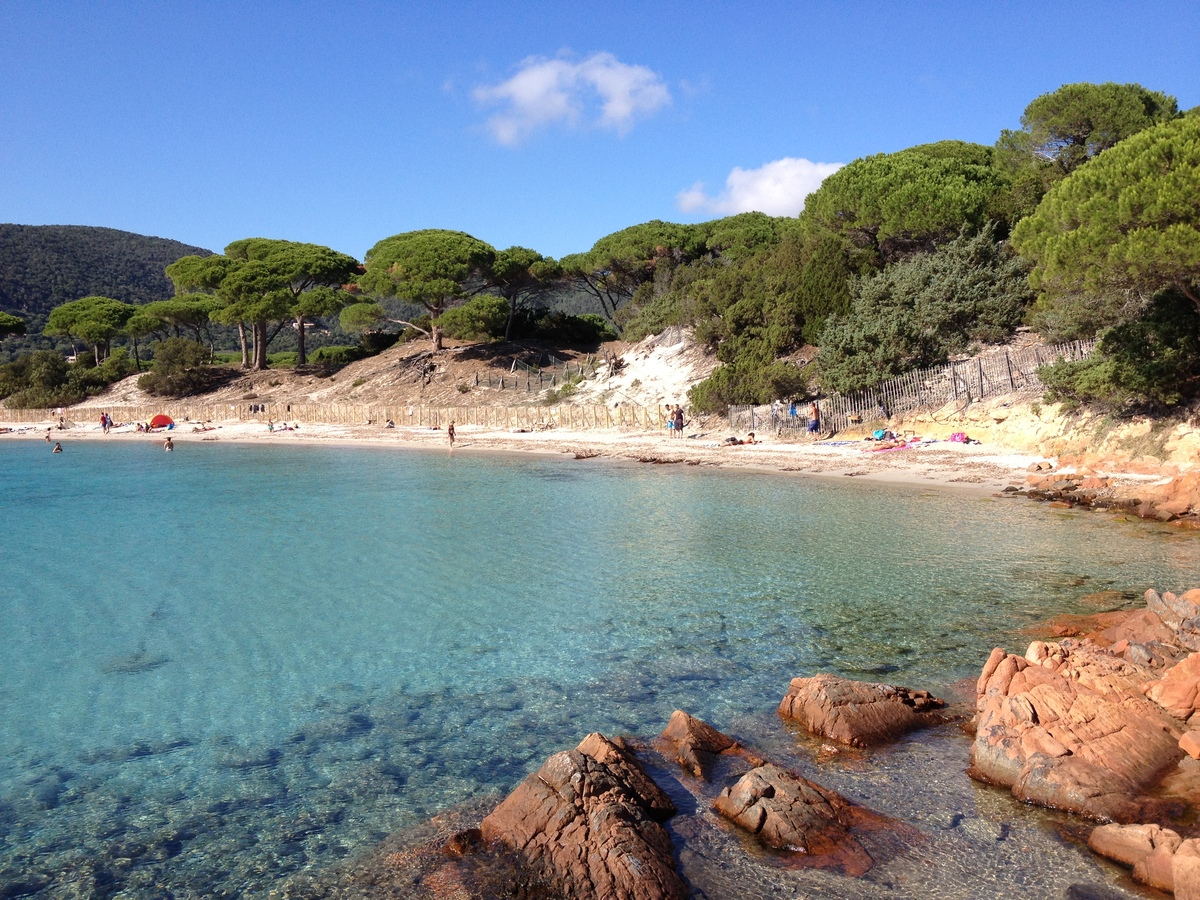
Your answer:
<point x="738" y="442"/>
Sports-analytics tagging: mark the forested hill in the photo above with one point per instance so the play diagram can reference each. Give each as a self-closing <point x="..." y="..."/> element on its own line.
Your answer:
<point x="44" y="266"/>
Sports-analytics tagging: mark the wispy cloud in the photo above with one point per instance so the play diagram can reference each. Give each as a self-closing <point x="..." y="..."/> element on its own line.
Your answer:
<point x="776" y="188"/>
<point x="599" y="92"/>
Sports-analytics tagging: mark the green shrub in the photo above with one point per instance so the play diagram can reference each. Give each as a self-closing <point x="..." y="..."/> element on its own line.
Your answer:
<point x="44" y="379"/>
<point x="560" y="328"/>
<point x="746" y="383"/>
<point x="918" y="312"/>
<point x="1153" y="361"/>
<point x="479" y="319"/>
<point x="285" y="360"/>
<point x="568" y="388"/>
<point x="180" y="368"/>
<point x="336" y="356"/>
<point x="372" y="343"/>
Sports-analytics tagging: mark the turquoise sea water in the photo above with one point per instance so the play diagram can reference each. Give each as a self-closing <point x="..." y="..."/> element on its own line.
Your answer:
<point x="230" y="665"/>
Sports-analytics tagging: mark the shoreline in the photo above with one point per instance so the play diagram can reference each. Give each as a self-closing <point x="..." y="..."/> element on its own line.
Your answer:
<point x="933" y="464"/>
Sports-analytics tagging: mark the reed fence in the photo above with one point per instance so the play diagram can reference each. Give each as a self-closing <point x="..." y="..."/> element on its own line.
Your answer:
<point x="534" y="418"/>
<point x="1012" y="372"/>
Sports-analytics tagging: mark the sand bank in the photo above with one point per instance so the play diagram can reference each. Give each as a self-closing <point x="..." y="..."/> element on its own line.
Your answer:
<point x="932" y="463"/>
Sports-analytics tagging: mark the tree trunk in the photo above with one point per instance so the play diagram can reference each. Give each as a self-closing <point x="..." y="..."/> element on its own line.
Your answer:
<point x="245" y="349"/>
<point x="136" y="360"/>
<point x="436" y="334"/>
<point x="260" y="346"/>
<point x="301" y="357"/>
<point x="512" y="314"/>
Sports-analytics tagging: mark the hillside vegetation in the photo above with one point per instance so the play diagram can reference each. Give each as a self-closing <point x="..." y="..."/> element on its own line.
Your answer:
<point x="1084" y="222"/>
<point x="43" y="266"/>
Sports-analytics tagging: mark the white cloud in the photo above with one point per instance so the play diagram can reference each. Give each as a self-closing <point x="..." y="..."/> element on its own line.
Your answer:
<point x="776" y="188"/>
<point x="600" y="91"/>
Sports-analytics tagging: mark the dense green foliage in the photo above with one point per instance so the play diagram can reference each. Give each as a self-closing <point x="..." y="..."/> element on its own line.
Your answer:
<point x="337" y="355"/>
<point x="1071" y="125"/>
<point x="435" y="268"/>
<point x="894" y="204"/>
<point x="897" y="261"/>
<point x="556" y="327"/>
<point x="486" y="318"/>
<point x="10" y="324"/>
<point x="260" y="282"/>
<point x="919" y="312"/>
<point x="180" y="368"/>
<point x="1125" y="225"/>
<point x="43" y="379"/>
<point x="522" y="277"/>
<point x="1153" y="361"/>
<point x="44" y="266"/>
<point x="481" y="318"/>
<point x="93" y="320"/>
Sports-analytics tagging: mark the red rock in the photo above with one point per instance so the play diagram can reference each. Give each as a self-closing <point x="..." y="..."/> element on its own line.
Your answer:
<point x="1127" y="844"/>
<point x="1178" y="691"/>
<point x="1148" y="849"/>
<point x="788" y="812"/>
<point x="1177" y="507"/>
<point x="1186" y="871"/>
<point x="693" y="743"/>
<point x="588" y="823"/>
<point x="1080" y="737"/>
<point x="1140" y="627"/>
<point x="1190" y="744"/>
<point x="1157" y="869"/>
<point x="858" y="713"/>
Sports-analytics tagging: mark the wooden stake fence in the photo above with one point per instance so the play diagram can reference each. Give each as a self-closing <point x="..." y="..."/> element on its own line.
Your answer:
<point x="565" y="416"/>
<point x="1011" y="372"/>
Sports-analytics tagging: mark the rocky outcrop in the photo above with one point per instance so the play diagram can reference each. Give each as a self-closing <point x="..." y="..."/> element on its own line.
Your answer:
<point x="693" y="743"/>
<point x="1159" y="857"/>
<point x="588" y="823"/>
<point x="787" y="812"/>
<point x="1179" y="613"/>
<point x="1067" y="726"/>
<point x="1077" y="482"/>
<point x="856" y="712"/>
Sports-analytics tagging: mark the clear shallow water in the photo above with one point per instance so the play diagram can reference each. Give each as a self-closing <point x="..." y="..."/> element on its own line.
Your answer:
<point x="229" y="665"/>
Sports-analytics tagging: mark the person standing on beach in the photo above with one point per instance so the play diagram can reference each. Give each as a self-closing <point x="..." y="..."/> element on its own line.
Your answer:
<point x="678" y="418"/>
<point x="450" y="432"/>
<point x="814" y="419"/>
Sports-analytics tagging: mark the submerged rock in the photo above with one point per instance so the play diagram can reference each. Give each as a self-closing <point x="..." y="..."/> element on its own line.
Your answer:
<point x="856" y="712"/>
<point x="693" y="743"/>
<point x="133" y="663"/>
<point x="588" y="823"/>
<point x="787" y="812"/>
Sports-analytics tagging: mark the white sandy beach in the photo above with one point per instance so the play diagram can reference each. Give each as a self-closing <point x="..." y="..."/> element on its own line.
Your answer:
<point x="933" y="463"/>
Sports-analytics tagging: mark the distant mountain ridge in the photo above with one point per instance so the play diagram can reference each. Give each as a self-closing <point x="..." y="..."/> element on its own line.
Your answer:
<point x="44" y="266"/>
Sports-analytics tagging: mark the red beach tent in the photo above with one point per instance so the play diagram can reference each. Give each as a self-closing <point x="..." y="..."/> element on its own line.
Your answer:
<point x="161" y="421"/>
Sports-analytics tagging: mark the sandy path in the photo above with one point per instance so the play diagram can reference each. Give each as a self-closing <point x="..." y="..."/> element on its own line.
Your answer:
<point x="940" y="463"/>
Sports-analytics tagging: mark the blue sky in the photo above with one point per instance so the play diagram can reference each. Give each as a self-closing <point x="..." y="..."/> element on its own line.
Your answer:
<point x="547" y="125"/>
